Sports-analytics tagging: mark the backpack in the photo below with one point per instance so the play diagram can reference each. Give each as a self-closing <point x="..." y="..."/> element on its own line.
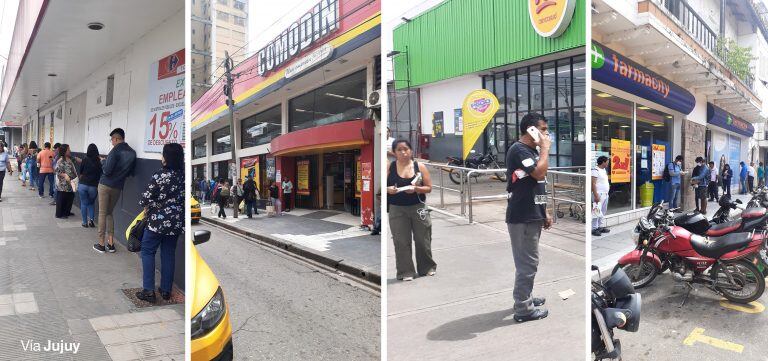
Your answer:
<point x="665" y="174"/>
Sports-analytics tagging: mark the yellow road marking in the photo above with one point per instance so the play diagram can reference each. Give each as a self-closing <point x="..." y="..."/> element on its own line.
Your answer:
<point x="752" y="307"/>
<point x="697" y="335"/>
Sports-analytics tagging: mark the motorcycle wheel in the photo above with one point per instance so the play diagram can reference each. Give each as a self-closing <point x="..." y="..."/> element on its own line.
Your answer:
<point x="501" y="175"/>
<point x="744" y="274"/>
<point x="639" y="281"/>
<point x="455" y="176"/>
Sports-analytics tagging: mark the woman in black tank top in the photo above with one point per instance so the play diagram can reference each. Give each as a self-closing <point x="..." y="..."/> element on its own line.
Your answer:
<point x="409" y="219"/>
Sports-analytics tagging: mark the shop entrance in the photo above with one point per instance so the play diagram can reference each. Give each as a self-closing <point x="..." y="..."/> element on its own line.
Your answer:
<point x="339" y="170"/>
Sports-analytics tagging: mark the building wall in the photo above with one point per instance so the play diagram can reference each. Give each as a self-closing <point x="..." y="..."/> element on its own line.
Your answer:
<point x="227" y="35"/>
<point x="200" y="65"/>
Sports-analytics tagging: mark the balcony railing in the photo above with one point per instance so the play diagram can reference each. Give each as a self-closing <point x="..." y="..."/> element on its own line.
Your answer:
<point x="699" y="30"/>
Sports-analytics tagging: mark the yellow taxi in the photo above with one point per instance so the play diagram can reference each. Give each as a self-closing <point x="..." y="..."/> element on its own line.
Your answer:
<point x="211" y="330"/>
<point x="194" y="206"/>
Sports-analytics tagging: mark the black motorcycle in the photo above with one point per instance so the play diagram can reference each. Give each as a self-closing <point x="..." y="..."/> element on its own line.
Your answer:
<point x="474" y="161"/>
<point x="614" y="305"/>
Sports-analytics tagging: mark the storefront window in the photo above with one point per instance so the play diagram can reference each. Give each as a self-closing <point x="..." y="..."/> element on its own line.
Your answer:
<point x="221" y="170"/>
<point x="260" y="128"/>
<point x="339" y="101"/>
<point x="612" y="137"/>
<point x="198" y="148"/>
<point x="222" y="142"/>
<point x="198" y="172"/>
<point x="653" y="148"/>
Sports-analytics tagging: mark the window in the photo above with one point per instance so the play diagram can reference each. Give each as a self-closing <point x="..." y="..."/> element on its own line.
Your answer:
<point x="222" y="16"/>
<point x="239" y="20"/>
<point x="222" y="142"/>
<point x="341" y="100"/>
<point x="239" y="5"/>
<point x="110" y="89"/>
<point x="611" y="127"/>
<point x="198" y="148"/>
<point x="261" y="128"/>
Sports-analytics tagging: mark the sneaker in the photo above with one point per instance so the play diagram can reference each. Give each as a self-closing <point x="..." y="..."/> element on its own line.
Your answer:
<point x="147" y="296"/>
<point x="596" y="233"/>
<point x="90" y="224"/>
<point x="537" y="314"/>
<point x="164" y="295"/>
<point x="431" y="273"/>
<point x="111" y="248"/>
<point x="539" y="301"/>
<point x="98" y="248"/>
<point x="84" y="225"/>
<point x="41" y="197"/>
<point x="605" y="230"/>
<point x="408" y="279"/>
<point x="53" y="203"/>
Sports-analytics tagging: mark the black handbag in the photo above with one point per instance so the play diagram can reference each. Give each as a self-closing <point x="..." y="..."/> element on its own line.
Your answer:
<point x="137" y="232"/>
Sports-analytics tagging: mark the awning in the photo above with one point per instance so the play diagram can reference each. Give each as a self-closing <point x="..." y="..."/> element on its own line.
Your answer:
<point x="326" y="138"/>
<point x="719" y="117"/>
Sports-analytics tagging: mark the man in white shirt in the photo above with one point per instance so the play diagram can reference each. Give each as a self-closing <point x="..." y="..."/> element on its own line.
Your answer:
<point x="713" y="182"/>
<point x="751" y="175"/>
<point x="287" y="194"/>
<point x="600" y="188"/>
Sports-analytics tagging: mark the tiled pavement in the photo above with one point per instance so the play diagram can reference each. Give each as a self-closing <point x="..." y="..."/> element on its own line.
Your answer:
<point x="54" y="287"/>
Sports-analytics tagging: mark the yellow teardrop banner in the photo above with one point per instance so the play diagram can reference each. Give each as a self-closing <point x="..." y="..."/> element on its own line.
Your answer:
<point x="478" y="109"/>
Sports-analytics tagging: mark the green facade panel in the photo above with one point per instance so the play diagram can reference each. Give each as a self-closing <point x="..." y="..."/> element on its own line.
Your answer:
<point x="461" y="37"/>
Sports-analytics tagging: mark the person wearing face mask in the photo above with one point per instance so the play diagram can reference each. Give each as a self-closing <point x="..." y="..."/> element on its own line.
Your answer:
<point x="675" y="170"/>
<point x="700" y="183"/>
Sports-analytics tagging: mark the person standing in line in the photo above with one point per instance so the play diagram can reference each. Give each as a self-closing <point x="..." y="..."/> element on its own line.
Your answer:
<point x="22" y="154"/>
<point x="55" y="159"/>
<point x="760" y="175"/>
<point x="713" y="196"/>
<point x="87" y="188"/>
<point x="237" y="193"/>
<point x="250" y="193"/>
<point x="32" y="165"/>
<point x="223" y="194"/>
<point x="5" y="166"/>
<point x="163" y="203"/>
<point x="287" y="194"/>
<point x="675" y="170"/>
<point x="700" y="183"/>
<point x="727" y="177"/>
<point x="751" y="174"/>
<point x="408" y="183"/>
<point x="119" y="164"/>
<point x="65" y="173"/>
<point x="274" y="196"/>
<point x="205" y="187"/>
<point x="742" y="178"/>
<point x="527" y="163"/>
<point x="45" y="163"/>
<point x="600" y="188"/>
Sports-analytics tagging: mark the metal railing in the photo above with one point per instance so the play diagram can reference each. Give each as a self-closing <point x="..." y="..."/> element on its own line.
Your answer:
<point x="572" y="197"/>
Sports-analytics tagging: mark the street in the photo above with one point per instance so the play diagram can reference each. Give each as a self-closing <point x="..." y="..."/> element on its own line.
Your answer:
<point x="285" y="309"/>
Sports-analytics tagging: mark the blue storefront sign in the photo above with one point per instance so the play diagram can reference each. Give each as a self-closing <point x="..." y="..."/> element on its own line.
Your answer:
<point x="719" y="117"/>
<point x="618" y="71"/>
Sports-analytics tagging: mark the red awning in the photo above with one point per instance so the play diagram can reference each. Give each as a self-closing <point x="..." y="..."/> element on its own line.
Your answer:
<point x="326" y="138"/>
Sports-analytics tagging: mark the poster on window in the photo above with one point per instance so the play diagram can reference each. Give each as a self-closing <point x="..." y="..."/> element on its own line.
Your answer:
<point x="437" y="125"/>
<point x="658" y="160"/>
<point x="165" y="103"/>
<point x="302" y="178"/>
<point x="249" y="167"/>
<point x="358" y="179"/>
<point x="458" y="122"/>
<point x="621" y="162"/>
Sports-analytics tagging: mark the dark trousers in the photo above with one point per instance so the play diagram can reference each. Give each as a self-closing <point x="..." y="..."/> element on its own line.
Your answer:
<point x="713" y="191"/>
<point x="250" y="207"/>
<point x="64" y="203"/>
<point x="727" y="187"/>
<point x="751" y="183"/>
<point x="149" y="244"/>
<point x="41" y="183"/>
<point x="222" y="204"/>
<point x="2" y="178"/>
<point x="701" y="198"/>
<point x="288" y="201"/>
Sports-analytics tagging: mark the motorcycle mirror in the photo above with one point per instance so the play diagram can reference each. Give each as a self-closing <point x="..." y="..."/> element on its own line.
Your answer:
<point x="472" y="151"/>
<point x="738" y="201"/>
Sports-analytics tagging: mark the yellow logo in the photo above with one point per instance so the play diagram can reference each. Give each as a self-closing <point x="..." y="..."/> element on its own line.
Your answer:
<point x="478" y="109"/>
<point x="550" y="18"/>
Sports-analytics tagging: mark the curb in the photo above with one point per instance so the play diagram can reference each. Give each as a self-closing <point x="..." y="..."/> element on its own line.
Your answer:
<point x="339" y="264"/>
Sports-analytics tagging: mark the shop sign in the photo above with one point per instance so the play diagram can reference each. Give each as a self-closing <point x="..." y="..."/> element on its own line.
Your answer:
<point x="618" y="71"/>
<point x="165" y="103"/>
<point x="437" y="125"/>
<point x="309" y="61"/>
<point x="458" y="122"/>
<point x="249" y="167"/>
<point x="478" y="109"/>
<point x="719" y="117"/>
<point x="550" y="18"/>
<point x="302" y="178"/>
<point x="321" y="21"/>
<point x="270" y="167"/>
<point x="621" y="164"/>
<point x="658" y="160"/>
<point x="358" y="179"/>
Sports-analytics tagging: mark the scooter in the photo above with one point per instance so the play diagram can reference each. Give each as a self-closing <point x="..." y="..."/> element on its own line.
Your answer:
<point x="615" y="305"/>
<point x="723" y="264"/>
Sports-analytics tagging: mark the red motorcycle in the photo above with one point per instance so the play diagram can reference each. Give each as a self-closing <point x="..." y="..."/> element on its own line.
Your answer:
<point x="724" y="264"/>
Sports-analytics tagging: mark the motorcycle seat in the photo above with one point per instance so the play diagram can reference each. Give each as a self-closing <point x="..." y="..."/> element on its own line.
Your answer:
<point x="717" y="230"/>
<point x="753" y="212"/>
<point x="716" y="247"/>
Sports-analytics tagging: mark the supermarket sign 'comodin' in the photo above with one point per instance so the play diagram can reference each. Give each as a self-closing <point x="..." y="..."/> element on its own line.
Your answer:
<point x="321" y="21"/>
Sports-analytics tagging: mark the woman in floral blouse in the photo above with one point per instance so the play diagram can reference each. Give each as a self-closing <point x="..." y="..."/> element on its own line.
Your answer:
<point x="163" y="203"/>
<point x="65" y="173"/>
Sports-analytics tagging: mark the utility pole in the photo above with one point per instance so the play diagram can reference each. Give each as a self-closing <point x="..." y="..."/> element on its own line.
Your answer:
<point x="232" y="135"/>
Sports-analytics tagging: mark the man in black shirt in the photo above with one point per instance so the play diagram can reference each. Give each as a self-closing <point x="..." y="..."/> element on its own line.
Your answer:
<point x="527" y="211"/>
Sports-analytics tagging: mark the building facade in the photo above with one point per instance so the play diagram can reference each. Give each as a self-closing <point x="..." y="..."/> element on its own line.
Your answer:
<point x="302" y="111"/>
<point x="664" y="85"/>
<point x="529" y="72"/>
<point x="202" y="40"/>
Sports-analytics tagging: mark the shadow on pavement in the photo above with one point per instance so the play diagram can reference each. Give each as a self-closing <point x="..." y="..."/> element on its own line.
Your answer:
<point x="467" y="328"/>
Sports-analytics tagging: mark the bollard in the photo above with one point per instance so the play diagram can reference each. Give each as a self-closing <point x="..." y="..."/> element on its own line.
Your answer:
<point x="469" y="195"/>
<point x="442" y="189"/>
<point x="461" y="193"/>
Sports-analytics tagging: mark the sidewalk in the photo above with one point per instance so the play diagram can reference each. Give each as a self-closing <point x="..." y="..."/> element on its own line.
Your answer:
<point x="329" y="237"/>
<point x="54" y="286"/>
<point x="606" y="250"/>
<point x="465" y="310"/>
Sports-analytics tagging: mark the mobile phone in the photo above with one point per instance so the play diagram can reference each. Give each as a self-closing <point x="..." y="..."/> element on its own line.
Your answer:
<point x="416" y="180"/>
<point x="534" y="133"/>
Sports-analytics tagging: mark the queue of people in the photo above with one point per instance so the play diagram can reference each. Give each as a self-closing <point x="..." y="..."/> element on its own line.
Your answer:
<point x="222" y="195"/>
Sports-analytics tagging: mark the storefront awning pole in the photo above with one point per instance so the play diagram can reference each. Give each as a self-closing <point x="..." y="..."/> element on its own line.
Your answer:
<point x="235" y="170"/>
